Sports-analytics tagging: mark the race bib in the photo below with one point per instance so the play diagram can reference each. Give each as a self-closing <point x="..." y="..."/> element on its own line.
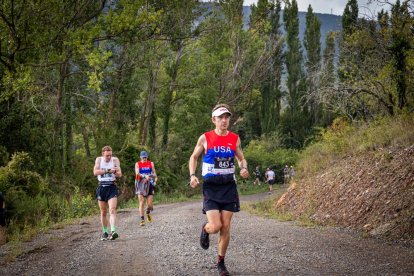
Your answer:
<point x="223" y="165"/>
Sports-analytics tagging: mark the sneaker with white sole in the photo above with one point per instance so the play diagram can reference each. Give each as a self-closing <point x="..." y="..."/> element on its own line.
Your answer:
<point x="114" y="235"/>
<point x="104" y="236"/>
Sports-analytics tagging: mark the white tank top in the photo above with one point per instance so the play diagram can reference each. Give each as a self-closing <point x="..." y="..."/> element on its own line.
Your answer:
<point x="110" y="177"/>
<point x="270" y="175"/>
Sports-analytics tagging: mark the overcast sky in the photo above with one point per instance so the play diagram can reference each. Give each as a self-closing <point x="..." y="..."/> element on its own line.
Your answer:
<point x="334" y="6"/>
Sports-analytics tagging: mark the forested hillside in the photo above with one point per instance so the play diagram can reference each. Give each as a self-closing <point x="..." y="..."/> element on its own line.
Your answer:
<point x="141" y="74"/>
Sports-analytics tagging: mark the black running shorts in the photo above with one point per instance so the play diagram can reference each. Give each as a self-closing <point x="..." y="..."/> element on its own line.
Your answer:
<point x="271" y="181"/>
<point x="220" y="194"/>
<point x="105" y="193"/>
<point x="2" y="217"/>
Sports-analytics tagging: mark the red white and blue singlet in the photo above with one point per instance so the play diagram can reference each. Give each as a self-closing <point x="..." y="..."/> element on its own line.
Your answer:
<point x="143" y="187"/>
<point x="145" y="168"/>
<point x="219" y="155"/>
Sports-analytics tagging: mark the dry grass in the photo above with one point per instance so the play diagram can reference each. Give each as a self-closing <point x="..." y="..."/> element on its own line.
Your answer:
<point x="343" y="139"/>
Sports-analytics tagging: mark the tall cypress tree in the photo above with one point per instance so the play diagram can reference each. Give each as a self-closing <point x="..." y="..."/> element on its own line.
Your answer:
<point x="350" y="17"/>
<point x="349" y="25"/>
<point x="400" y="46"/>
<point x="312" y="41"/>
<point x="265" y="19"/>
<point x="276" y="66"/>
<point x="312" y="45"/>
<point x="293" y="54"/>
<point x="295" y="125"/>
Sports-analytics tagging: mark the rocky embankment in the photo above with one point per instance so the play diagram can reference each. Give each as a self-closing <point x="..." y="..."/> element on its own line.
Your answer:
<point x="373" y="193"/>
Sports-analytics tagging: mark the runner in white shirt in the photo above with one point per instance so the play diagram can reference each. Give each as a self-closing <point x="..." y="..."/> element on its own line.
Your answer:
<point x="270" y="179"/>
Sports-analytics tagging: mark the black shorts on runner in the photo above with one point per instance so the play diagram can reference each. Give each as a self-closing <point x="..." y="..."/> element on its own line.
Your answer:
<point x="213" y="205"/>
<point x="271" y="182"/>
<point x="2" y="217"/>
<point x="105" y="193"/>
<point x="220" y="193"/>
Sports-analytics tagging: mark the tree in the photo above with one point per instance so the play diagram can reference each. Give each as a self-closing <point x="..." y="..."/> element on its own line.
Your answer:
<point x="295" y="121"/>
<point x="401" y="46"/>
<point x="350" y="17"/>
<point x="179" y="26"/>
<point x="264" y="20"/>
<point x="312" y="45"/>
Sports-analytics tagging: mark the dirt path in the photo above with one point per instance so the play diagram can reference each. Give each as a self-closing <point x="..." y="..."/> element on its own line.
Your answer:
<point x="169" y="246"/>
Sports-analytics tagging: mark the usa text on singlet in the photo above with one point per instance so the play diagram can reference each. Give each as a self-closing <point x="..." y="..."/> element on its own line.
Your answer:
<point x="219" y="155"/>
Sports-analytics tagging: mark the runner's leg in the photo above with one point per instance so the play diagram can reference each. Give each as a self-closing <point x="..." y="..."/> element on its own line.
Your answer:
<point x="103" y="206"/>
<point x="141" y="200"/>
<point x="224" y="237"/>
<point x="150" y="199"/>
<point x="214" y="222"/>
<point x="149" y="207"/>
<point x="112" y="211"/>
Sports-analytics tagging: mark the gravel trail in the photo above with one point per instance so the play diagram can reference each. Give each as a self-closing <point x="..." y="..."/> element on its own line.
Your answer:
<point x="169" y="246"/>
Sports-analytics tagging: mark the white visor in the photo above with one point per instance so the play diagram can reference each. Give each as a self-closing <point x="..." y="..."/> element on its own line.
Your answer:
<point x="220" y="111"/>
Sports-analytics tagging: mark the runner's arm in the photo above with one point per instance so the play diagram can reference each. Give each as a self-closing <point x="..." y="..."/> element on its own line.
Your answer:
<point x="192" y="164"/>
<point x="240" y="159"/>
<point x="136" y="168"/>
<point x="117" y="168"/>
<point x="154" y="174"/>
<point x="96" y="169"/>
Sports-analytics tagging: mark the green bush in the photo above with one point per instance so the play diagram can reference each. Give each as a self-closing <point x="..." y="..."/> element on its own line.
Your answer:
<point x="343" y="139"/>
<point x="81" y="205"/>
<point x="31" y="204"/>
<point x="267" y="153"/>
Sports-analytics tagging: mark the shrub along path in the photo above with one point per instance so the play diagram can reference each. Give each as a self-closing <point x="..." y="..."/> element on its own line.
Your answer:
<point x="169" y="246"/>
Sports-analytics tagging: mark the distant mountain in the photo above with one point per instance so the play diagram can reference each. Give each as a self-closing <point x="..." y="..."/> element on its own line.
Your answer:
<point x="329" y="23"/>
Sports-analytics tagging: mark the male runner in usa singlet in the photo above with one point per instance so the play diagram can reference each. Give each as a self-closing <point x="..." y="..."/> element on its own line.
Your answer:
<point x="221" y="199"/>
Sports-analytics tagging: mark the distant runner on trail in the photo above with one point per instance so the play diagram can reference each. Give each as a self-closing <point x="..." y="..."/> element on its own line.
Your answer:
<point x="270" y="179"/>
<point x="221" y="198"/>
<point x="145" y="180"/>
<point x="107" y="168"/>
<point x="292" y="173"/>
<point x="286" y="175"/>
<point x="257" y="174"/>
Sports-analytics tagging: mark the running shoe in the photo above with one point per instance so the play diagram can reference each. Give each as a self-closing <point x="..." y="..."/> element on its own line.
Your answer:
<point x="104" y="236"/>
<point x="222" y="270"/>
<point x="113" y="235"/>
<point x="149" y="218"/>
<point x="142" y="223"/>
<point x="204" y="238"/>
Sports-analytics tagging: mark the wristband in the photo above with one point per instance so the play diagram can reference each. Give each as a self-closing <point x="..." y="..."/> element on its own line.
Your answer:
<point x="243" y="168"/>
<point x="193" y="174"/>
